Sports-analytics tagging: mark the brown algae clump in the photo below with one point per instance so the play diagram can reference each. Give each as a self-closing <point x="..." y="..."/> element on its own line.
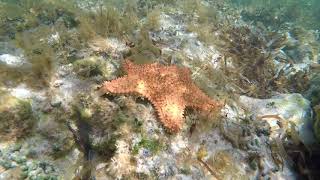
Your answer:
<point x="16" y="117"/>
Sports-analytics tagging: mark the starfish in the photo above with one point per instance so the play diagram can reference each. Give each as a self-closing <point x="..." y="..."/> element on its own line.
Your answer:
<point x="169" y="88"/>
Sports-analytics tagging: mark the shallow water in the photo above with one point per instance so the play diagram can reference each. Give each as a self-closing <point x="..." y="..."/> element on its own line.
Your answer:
<point x="225" y="89"/>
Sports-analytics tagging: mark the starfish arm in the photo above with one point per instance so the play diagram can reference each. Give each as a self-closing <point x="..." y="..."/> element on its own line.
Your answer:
<point x="197" y="99"/>
<point x="185" y="73"/>
<point x="128" y="66"/>
<point x="120" y="85"/>
<point x="170" y="113"/>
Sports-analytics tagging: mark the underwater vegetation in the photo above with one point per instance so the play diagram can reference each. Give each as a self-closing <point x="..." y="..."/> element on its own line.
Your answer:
<point x="278" y="14"/>
<point x="248" y="52"/>
<point x="107" y="21"/>
<point x="16" y="117"/>
<point x="150" y="144"/>
<point x="17" y="16"/>
<point x="38" y="53"/>
<point x="143" y="49"/>
<point x="90" y="67"/>
<point x="52" y="32"/>
<point x="251" y="54"/>
<point x="95" y="123"/>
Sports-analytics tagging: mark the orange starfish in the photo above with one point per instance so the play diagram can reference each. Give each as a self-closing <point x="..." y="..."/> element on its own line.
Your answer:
<point x="169" y="88"/>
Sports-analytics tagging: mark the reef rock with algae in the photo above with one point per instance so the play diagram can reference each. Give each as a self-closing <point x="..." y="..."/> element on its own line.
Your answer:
<point x="16" y="117"/>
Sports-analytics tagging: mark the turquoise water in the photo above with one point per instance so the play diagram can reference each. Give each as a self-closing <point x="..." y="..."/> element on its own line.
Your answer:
<point x="257" y="59"/>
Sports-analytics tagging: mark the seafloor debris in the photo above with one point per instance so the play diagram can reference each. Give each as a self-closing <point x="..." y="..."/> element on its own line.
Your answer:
<point x="169" y="88"/>
<point x="291" y="110"/>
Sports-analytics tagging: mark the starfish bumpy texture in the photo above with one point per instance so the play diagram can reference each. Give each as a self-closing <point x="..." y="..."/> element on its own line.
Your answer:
<point x="169" y="88"/>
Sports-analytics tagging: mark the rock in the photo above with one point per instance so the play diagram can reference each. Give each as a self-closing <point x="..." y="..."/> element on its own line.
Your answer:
<point x="14" y="173"/>
<point x="227" y="164"/>
<point x="316" y="125"/>
<point x="88" y="67"/>
<point x="11" y="60"/>
<point x="21" y="92"/>
<point x="15" y="147"/>
<point x="112" y="46"/>
<point x="294" y="109"/>
<point x="252" y="147"/>
<point x="100" y="171"/>
<point x="180" y="41"/>
<point x="56" y="139"/>
<point x="70" y="163"/>
<point x="10" y="48"/>
<point x="54" y="38"/>
<point x="178" y="144"/>
<point x="56" y="102"/>
<point x="63" y="71"/>
<point x="313" y="93"/>
<point x="27" y="168"/>
<point x="57" y="83"/>
<point x="2" y="169"/>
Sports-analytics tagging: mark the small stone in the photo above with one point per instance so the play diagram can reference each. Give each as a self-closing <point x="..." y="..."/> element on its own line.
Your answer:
<point x="101" y="166"/>
<point x="32" y="177"/>
<point x="146" y="152"/>
<point x="14" y="173"/>
<point x="7" y="165"/>
<point x="56" y="102"/>
<point x="48" y="169"/>
<point x="2" y="169"/>
<point x="24" y="168"/>
<point x="57" y="83"/>
<point x="14" y="164"/>
<point x="46" y="108"/>
<point x="11" y="60"/>
<point x="63" y="73"/>
<point x="32" y="153"/>
<point x="36" y="172"/>
<point x="29" y="163"/>
<point x="33" y="166"/>
<point x="53" y="178"/>
<point x="198" y="43"/>
<point x="42" y="176"/>
<point x="12" y="156"/>
<point x="2" y="161"/>
<point x="24" y="175"/>
<point x="21" y="160"/>
<point x="15" y="147"/>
